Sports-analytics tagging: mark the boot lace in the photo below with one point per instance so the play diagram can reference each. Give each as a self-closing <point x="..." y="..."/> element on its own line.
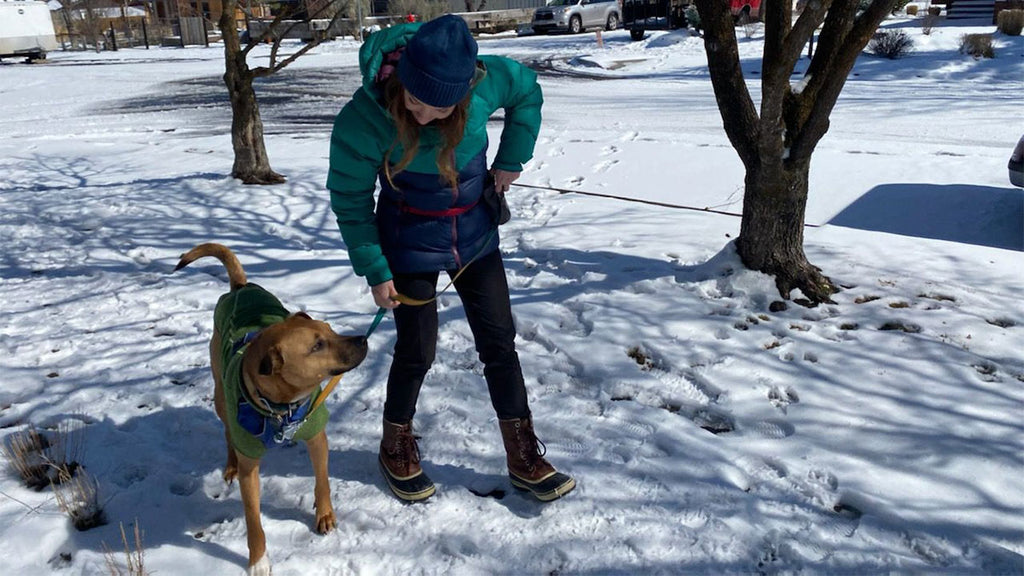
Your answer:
<point x="531" y="448"/>
<point x="404" y="448"/>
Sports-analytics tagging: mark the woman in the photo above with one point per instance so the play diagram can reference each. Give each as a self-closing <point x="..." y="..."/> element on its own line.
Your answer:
<point x="419" y="125"/>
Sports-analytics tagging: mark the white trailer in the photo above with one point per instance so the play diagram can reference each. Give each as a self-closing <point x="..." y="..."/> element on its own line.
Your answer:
<point x="26" y="30"/>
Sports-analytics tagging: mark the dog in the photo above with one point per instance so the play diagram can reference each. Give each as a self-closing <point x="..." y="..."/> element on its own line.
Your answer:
<point x="267" y="366"/>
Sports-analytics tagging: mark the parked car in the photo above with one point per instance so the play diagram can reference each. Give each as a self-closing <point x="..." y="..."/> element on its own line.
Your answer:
<point x="1016" y="164"/>
<point x="574" y="16"/>
<point x="638" y="16"/>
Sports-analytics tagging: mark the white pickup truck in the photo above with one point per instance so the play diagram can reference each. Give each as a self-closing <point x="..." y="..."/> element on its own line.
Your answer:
<point x="26" y="30"/>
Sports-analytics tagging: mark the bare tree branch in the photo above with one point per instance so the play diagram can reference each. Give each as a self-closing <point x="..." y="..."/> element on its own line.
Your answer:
<point x="739" y="115"/>
<point x="844" y="43"/>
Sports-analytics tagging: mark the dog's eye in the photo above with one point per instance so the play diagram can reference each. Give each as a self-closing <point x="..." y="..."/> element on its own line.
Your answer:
<point x="317" y="346"/>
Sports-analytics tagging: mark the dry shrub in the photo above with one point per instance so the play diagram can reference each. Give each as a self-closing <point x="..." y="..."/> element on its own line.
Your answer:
<point x="912" y="10"/>
<point x="892" y="44"/>
<point x="977" y="45"/>
<point x="67" y="446"/>
<point x="133" y="555"/>
<point x="25" y="452"/>
<point x="934" y="10"/>
<point x="1010" y="22"/>
<point x="77" y="494"/>
<point x="929" y="22"/>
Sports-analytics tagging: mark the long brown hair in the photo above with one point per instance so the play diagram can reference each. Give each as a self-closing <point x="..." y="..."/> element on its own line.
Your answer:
<point x="452" y="129"/>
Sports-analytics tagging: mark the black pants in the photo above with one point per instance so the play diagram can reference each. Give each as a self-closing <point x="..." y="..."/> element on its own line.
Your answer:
<point x="483" y="289"/>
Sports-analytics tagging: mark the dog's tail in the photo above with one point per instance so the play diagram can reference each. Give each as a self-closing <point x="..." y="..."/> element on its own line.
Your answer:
<point x="236" y="275"/>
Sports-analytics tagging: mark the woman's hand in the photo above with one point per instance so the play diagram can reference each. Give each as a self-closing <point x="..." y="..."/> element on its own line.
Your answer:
<point x="503" y="179"/>
<point x="384" y="293"/>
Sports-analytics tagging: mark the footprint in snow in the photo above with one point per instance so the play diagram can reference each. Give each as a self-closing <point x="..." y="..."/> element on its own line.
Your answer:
<point x="894" y="325"/>
<point x="987" y="371"/>
<point x="828" y="533"/>
<point x="774" y="429"/>
<point x="712" y="420"/>
<point x="604" y="166"/>
<point x="754" y="470"/>
<point x="781" y="397"/>
<point x="571" y="448"/>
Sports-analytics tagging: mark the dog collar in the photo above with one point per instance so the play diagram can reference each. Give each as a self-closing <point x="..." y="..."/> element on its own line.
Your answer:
<point x="272" y="428"/>
<point x="254" y="414"/>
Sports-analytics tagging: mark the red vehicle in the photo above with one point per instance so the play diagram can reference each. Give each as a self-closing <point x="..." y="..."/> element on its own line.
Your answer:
<point x="745" y="9"/>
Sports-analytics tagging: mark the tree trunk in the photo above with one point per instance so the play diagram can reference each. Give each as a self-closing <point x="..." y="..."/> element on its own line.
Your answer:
<point x="771" y="236"/>
<point x="251" y="163"/>
<point x="252" y="166"/>
<point x="775" y="143"/>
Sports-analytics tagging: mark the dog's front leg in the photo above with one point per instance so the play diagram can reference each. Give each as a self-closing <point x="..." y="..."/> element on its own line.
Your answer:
<point x="249" y="484"/>
<point x="317" y="447"/>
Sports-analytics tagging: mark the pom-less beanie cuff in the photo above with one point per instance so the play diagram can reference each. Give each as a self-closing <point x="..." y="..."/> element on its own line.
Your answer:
<point x="429" y="90"/>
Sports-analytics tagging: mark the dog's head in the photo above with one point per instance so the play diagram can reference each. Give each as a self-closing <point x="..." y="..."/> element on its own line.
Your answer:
<point x="291" y="358"/>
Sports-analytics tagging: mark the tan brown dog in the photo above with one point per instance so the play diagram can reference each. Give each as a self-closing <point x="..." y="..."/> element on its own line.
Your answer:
<point x="267" y="369"/>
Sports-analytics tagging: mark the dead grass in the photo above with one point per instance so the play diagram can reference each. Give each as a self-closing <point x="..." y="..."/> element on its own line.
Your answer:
<point x="134" y="553"/>
<point x="977" y="45"/>
<point x="77" y="494"/>
<point x="25" y="452"/>
<point x="1010" y="22"/>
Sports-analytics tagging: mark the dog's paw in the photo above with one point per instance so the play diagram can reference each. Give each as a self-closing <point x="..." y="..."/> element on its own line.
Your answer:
<point x="326" y="522"/>
<point x="230" y="473"/>
<point x="260" y="568"/>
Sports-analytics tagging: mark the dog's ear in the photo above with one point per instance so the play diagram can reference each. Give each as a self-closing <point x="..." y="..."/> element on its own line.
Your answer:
<point x="271" y="361"/>
<point x="302" y="315"/>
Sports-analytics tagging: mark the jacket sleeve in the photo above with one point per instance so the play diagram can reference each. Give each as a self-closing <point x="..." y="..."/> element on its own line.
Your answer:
<point x="356" y="156"/>
<point x="513" y="87"/>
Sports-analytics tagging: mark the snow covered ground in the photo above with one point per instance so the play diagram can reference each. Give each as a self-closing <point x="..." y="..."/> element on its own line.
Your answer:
<point x="708" y="434"/>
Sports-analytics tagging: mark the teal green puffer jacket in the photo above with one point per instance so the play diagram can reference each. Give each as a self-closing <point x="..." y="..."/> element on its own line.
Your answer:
<point x="364" y="131"/>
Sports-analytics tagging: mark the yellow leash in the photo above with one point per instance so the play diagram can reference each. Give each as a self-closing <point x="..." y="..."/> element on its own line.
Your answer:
<point x="403" y="299"/>
<point x="326" y="392"/>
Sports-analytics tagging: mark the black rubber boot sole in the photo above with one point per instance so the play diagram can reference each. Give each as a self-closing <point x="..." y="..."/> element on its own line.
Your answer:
<point x="551" y="488"/>
<point x="414" y="489"/>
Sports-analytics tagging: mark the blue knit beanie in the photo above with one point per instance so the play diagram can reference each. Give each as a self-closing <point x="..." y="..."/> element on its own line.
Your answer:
<point x="439" y="62"/>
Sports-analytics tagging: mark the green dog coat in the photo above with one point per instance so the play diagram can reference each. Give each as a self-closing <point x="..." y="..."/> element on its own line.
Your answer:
<point x="239" y="315"/>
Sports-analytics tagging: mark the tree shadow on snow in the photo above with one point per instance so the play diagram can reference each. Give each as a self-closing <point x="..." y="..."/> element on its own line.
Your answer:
<point x="965" y="213"/>
<point x="161" y="469"/>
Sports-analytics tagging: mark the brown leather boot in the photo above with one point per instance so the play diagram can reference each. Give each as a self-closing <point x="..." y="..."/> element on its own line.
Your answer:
<point x="527" y="468"/>
<point x="400" y="463"/>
